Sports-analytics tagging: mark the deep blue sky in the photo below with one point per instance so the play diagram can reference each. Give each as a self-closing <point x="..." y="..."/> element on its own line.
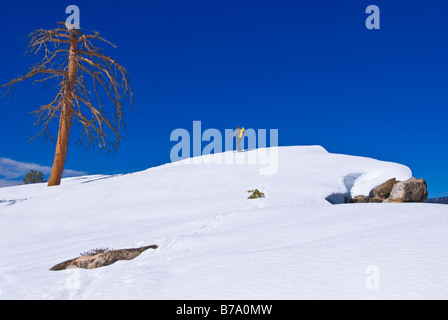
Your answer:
<point x="310" y="69"/>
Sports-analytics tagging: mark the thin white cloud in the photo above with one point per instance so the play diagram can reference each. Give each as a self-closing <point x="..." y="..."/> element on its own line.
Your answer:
<point x="12" y="170"/>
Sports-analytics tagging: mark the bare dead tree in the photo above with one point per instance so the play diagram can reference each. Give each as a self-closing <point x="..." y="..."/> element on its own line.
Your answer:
<point x="86" y="77"/>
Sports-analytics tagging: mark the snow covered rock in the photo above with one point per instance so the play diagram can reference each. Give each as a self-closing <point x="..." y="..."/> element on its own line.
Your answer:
<point x="391" y="191"/>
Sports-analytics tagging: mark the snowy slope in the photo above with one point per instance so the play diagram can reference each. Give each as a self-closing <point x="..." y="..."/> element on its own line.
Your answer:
<point x="214" y="243"/>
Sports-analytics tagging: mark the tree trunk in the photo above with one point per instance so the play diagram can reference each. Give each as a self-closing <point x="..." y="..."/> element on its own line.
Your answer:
<point x="65" y="120"/>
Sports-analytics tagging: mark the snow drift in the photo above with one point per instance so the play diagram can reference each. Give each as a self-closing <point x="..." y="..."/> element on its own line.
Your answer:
<point x="214" y="243"/>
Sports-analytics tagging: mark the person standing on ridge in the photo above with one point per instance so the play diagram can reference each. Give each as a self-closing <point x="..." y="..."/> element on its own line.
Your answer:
<point x="239" y="134"/>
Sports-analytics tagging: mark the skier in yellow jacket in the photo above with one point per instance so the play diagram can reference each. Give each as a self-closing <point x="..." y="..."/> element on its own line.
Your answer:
<point x="239" y="134"/>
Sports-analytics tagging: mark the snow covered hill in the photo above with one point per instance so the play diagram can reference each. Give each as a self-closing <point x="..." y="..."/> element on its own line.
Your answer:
<point x="214" y="243"/>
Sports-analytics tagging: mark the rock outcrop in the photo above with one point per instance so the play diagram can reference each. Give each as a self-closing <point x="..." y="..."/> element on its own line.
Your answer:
<point x="376" y="200"/>
<point x="392" y="191"/>
<point x="412" y="190"/>
<point x="255" y="194"/>
<point x="101" y="259"/>
<point x="384" y="190"/>
<point x="360" y="199"/>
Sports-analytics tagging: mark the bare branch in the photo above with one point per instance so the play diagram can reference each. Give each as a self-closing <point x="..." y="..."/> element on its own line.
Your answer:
<point x="95" y="36"/>
<point x="81" y="91"/>
<point x="50" y="109"/>
<point x="31" y="74"/>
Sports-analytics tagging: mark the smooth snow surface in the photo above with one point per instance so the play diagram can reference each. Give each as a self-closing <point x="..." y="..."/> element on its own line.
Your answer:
<point x="214" y="243"/>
